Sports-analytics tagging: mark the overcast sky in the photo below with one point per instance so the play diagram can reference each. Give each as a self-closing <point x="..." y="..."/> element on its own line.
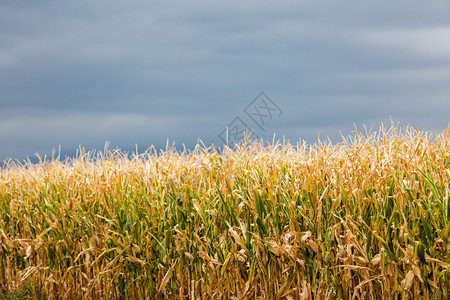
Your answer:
<point x="141" y="72"/>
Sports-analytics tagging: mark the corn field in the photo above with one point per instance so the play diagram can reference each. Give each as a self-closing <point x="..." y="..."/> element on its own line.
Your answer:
<point x="367" y="218"/>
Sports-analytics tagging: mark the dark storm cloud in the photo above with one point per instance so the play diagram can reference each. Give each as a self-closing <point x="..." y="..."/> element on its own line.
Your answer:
<point x="139" y="72"/>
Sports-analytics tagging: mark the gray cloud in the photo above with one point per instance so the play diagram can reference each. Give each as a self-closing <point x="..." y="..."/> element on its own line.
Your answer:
<point x="83" y="73"/>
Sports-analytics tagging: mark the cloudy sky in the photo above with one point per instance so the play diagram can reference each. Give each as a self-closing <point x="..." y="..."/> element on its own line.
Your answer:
<point x="141" y="72"/>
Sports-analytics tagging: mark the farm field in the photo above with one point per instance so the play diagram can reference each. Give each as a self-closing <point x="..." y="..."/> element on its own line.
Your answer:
<point x="368" y="218"/>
